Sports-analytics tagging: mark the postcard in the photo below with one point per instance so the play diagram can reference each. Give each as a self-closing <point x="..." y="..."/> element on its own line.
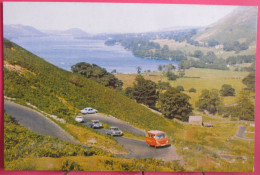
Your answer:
<point x="129" y="87"/>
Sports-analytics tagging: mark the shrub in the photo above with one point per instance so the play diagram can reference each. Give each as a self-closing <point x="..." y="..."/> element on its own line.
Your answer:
<point x="180" y="88"/>
<point x="69" y="165"/>
<point x="193" y="90"/>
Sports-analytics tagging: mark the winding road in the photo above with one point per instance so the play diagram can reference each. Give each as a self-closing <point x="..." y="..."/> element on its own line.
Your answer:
<point x="38" y="123"/>
<point x="240" y="133"/>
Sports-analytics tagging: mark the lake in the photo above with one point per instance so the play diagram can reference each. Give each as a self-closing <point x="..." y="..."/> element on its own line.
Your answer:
<point x="66" y="51"/>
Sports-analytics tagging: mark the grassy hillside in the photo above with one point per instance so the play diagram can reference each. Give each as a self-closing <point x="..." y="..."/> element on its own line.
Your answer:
<point x="62" y="93"/>
<point x="29" y="78"/>
<point x="240" y="25"/>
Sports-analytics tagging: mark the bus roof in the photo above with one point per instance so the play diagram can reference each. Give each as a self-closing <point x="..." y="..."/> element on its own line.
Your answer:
<point x="156" y="132"/>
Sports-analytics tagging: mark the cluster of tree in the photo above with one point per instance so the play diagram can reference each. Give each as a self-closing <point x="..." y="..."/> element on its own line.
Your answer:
<point x="186" y="36"/>
<point x="98" y="74"/>
<point x="249" y="81"/>
<point x="142" y="46"/>
<point x="240" y="59"/>
<point x="219" y="64"/>
<point x="212" y="43"/>
<point x="250" y="68"/>
<point x="143" y="91"/>
<point x="227" y="90"/>
<point x="235" y="46"/>
<point x="210" y="101"/>
<point x="173" y="103"/>
<point x="209" y="61"/>
<point x="244" y="108"/>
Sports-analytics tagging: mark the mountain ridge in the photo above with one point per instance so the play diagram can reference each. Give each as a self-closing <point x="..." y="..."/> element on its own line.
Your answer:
<point x="239" y="25"/>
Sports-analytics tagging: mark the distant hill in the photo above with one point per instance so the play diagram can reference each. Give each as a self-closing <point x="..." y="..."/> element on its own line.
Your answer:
<point x="18" y="30"/>
<point x="75" y="32"/>
<point x="239" y="25"/>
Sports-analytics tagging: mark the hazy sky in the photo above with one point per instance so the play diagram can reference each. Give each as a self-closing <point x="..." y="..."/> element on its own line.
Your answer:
<point x="111" y="17"/>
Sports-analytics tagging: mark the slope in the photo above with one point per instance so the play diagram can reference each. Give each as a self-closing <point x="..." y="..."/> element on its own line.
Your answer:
<point x="239" y="25"/>
<point x="31" y="79"/>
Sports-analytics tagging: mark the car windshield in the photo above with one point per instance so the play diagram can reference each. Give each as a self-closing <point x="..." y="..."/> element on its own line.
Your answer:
<point x="115" y="129"/>
<point x="160" y="136"/>
<point x="96" y="122"/>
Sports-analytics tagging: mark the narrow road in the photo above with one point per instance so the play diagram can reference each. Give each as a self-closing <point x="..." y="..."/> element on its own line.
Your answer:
<point x="240" y="133"/>
<point x="136" y="148"/>
<point x="36" y="122"/>
<point x="112" y="121"/>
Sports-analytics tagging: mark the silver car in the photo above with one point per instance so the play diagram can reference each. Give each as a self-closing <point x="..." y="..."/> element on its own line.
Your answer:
<point x="95" y="124"/>
<point x="114" y="131"/>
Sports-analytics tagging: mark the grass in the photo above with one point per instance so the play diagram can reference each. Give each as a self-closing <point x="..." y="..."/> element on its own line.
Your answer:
<point x="93" y="138"/>
<point x="94" y="163"/>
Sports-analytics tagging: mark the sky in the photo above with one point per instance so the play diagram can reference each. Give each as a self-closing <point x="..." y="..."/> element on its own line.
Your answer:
<point x="111" y="17"/>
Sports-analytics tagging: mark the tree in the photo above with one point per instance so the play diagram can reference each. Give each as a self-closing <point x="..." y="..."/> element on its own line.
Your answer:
<point x="192" y="90"/>
<point x="180" y="88"/>
<point x="210" y="101"/>
<point x="171" y="76"/>
<point x="174" y="104"/>
<point x="244" y="109"/>
<point x="160" y="68"/>
<point x="97" y="74"/>
<point x="182" y="73"/>
<point x="163" y="85"/>
<point x="212" y="43"/>
<point x="129" y="92"/>
<point x="249" y="81"/>
<point x="139" y="70"/>
<point x="144" y="91"/>
<point x="198" y="54"/>
<point x="113" y="71"/>
<point x="227" y="90"/>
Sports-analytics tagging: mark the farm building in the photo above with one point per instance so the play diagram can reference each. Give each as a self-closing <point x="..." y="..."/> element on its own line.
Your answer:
<point x="195" y="120"/>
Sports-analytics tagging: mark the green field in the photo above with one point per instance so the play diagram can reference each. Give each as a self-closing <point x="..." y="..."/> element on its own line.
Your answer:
<point x="196" y="78"/>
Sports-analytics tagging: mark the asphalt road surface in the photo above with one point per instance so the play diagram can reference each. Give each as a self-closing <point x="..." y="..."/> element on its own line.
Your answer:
<point x="36" y="122"/>
<point x="112" y="121"/>
<point x="240" y="133"/>
<point x="136" y="148"/>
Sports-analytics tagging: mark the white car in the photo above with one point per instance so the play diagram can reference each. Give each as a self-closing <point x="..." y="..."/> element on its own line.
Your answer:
<point x="79" y="119"/>
<point x="88" y="110"/>
<point x="114" y="131"/>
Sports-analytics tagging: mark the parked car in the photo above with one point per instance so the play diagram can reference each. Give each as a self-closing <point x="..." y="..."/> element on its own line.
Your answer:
<point x="79" y="119"/>
<point x="114" y="131"/>
<point x="95" y="124"/>
<point x="88" y="110"/>
<point x="157" y="138"/>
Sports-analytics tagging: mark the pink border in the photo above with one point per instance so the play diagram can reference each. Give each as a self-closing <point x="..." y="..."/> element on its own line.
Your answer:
<point x="204" y="2"/>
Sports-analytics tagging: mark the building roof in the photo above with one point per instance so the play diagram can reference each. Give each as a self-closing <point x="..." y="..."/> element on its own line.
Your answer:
<point x="195" y="118"/>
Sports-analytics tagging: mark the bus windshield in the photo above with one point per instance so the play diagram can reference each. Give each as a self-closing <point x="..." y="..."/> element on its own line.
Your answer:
<point x="160" y="136"/>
